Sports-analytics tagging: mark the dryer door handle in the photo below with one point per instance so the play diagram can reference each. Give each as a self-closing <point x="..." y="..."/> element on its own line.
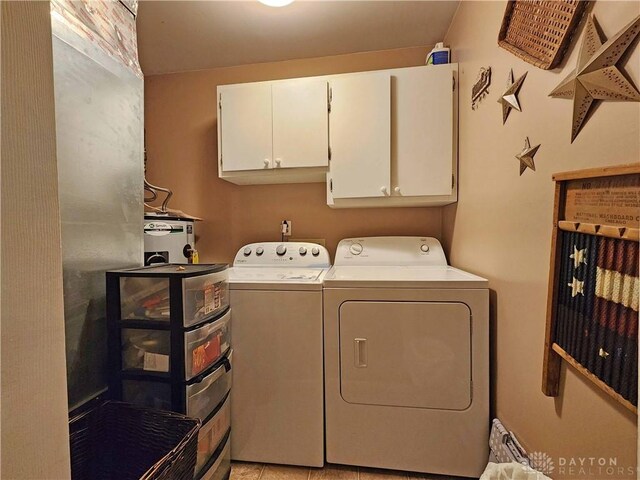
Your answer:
<point x="360" y="352"/>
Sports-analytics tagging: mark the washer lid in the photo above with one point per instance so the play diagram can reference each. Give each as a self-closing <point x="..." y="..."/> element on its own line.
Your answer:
<point x="276" y="278"/>
<point x="403" y="276"/>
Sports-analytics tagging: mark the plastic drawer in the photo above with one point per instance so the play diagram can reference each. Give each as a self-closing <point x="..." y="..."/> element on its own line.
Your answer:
<point x="148" y="298"/>
<point x="204" y="296"/>
<point x="203" y="397"/>
<point x="206" y="345"/>
<point x="146" y="393"/>
<point x="212" y="433"/>
<point x="150" y="350"/>
<point x="144" y="349"/>
<point x="144" y="298"/>
<point x="199" y="398"/>
<point x="222" y="466"/>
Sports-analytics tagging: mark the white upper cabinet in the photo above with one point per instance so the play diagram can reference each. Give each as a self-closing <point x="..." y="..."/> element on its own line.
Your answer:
<point x="423" y="135"/>
<point x="380" y="139"/>
<point x="273" y="132"/>
<point x="360" y="136"/>
<point x="244" y="127"/>
<point x="300" y="124"/>
<point x="422" y="132"/>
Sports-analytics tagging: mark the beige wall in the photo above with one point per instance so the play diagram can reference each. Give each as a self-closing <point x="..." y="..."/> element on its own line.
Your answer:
<point x="35" y="441"/>
<point x="180" y="122"/>
<point x="501" y="227"/>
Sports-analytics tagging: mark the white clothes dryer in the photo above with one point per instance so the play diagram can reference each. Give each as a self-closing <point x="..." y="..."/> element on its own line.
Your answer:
<point x="277" y="397"/>
<point x="406" y="342"/>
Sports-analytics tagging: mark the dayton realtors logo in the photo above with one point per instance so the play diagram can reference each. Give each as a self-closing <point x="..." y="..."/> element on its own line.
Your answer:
<point x="593" y="467"/>
<point x="582" y="468"/>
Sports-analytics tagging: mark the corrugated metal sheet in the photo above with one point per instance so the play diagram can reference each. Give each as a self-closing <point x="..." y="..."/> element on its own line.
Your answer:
<point x="99" y="130"/>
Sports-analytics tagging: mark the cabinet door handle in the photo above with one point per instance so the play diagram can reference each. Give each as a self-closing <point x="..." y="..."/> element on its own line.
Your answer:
<point x="384" y="190"/>
<point x="397" y="190"/>
<point x="360" y="352"/>
<point x="266" y="162"/>
<point x="278" y="161"/>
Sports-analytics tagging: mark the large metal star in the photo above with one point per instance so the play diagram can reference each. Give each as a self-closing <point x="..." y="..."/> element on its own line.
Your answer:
<point x="596" y="76"/>
<point x="509" y="98"/>
<point x="526" y="156"/>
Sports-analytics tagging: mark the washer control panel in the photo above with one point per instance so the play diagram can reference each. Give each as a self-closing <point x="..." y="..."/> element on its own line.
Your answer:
<point x="395" y="251"/>
<point x="295" y="254"/>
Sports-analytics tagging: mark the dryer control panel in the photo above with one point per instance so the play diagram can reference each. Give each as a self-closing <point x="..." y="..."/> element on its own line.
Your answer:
<point x="390" y="251"/>
<point x="276" y="254"/>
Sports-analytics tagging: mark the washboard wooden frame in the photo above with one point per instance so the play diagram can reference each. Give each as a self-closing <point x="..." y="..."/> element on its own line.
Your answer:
<point x="554" y="354"/>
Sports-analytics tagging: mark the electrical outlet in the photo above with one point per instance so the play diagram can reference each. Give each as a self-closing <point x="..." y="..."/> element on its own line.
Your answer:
<point x="285" y="228"/>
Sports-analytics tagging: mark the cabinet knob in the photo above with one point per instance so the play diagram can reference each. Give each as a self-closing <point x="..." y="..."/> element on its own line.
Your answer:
<point x="384" y="190"/>
<point x="278" y="161"/>
<point x="397" y="190"/>
<point x="266" y="162"/>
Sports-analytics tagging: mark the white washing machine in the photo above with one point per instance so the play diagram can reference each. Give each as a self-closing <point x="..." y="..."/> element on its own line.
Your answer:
<point x="277" y="409"/>
<point x="406" y="341"/>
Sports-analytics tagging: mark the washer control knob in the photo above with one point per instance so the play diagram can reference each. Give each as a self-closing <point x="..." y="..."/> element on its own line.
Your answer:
<point x="259" y="251"/>
<point x="424" y="247"/>
<point x="355" y="249"/>
<point x="281" y="250"/>
<point x="247" y="251"/>
<point x="303" y="251"/>
<point x="315" y="251"/>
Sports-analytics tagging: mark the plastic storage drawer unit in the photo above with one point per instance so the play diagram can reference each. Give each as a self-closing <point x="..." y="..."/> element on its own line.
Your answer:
<point x="170" y="348"/>
<point x="168" y="321"/>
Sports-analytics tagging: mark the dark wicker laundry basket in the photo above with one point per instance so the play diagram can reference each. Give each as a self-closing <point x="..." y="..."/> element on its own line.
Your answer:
<point x="120" y="441"/>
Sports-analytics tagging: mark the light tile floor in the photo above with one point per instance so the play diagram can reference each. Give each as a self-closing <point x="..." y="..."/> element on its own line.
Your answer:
<point x="255" y="471"/>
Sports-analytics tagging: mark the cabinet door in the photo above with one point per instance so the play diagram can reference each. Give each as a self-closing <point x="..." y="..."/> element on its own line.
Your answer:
<point x="423" y="130"/>
<point x="245" y="127"/>
<point x="300" y="124"/>
<point x="360" y="135"/>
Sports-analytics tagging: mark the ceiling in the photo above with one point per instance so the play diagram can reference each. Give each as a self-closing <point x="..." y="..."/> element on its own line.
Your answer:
<point x="178" y="36"/>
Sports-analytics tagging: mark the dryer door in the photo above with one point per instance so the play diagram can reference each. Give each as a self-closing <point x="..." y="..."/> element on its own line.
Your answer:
<point x="406" y="354"/>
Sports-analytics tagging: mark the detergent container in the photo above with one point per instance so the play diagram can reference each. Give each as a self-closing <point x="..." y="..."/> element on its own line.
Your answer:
<point x="439" y="55"/>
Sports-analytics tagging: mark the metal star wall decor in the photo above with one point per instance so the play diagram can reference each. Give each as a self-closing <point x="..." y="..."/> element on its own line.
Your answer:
<point x="596" y="76"/>
<point x="509" y="98"/>
<point x="526" y="156"/>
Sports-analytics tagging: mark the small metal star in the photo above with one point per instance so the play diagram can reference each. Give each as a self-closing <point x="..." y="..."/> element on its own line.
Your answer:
<point x="578" y="256"/>
<point x="509" y="98"/>
<point x="526" y="156"/>
<point x="577" y="287"/>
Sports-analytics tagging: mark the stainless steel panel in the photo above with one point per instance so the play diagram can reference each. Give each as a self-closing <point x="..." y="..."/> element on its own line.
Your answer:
<point x="99" y="128"/>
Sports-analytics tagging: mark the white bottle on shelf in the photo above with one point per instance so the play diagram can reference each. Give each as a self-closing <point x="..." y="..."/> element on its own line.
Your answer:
<point x="439" y="55"/>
